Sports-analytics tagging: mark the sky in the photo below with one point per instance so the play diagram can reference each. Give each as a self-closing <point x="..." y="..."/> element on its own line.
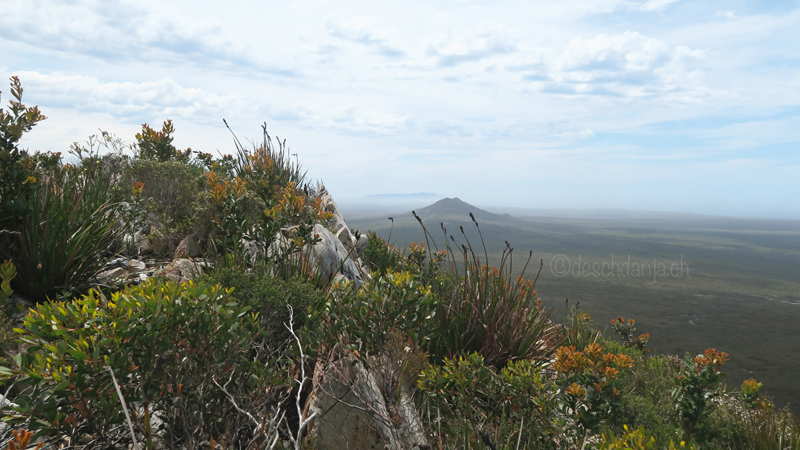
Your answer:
<point x="658" y="105"/>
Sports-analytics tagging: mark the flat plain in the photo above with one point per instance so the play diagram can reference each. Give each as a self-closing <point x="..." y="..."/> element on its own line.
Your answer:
<point x="690" y="281"/>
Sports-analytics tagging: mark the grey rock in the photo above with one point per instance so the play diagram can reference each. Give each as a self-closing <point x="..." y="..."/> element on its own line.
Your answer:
<point x="346" y="238"/>
<point x="329" y="205"/>
<point x="355" y="410"/>
<point x="361" y="245"/>
<point x="108" y="275"/>
<point x="136" y="266"/>
<point x="187" y="248"/>
<point x="180" y="270"/>
<point x="329" y="256"/>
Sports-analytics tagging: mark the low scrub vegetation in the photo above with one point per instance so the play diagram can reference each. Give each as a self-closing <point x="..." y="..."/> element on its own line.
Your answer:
<point x="226" y="359"/>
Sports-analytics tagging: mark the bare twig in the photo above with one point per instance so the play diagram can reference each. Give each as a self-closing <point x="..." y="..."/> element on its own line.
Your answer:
<point x="302" y="421"/>
<point x="271" y="430"/>
<point x="124" y="406"/>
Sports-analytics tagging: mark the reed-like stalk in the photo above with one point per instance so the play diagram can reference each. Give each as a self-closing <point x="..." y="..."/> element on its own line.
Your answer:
<point x="69" y="234"/>
<point x="488" y="310"/>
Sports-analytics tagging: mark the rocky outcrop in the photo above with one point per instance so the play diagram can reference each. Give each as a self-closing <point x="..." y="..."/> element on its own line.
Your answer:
<point x="330" y="257"/>
<point x="355" y="411"/>
<point x="329" y="205"/>
<point x="334" y="256"/>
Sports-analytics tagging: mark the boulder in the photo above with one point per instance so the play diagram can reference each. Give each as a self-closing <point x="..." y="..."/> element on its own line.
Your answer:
<point x="187" y="248"/>
<point x="361" y="244"/>
<point x="136" y="266"/>
<point x="106" y="276"/>
<point x="355" y="411"/>
<point x="180" y="270"/>
<point x="329" y="257"/>
<point x="146" y="247"/>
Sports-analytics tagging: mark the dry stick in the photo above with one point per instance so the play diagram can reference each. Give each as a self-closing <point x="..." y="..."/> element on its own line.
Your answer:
<point x="124" y="406"/>
<point x="519" y="439"/>
<point x="303" y="422"/>
<point x="439" y="423"/>
<point x="585" y="439"/>
<point x="260" y="426"/>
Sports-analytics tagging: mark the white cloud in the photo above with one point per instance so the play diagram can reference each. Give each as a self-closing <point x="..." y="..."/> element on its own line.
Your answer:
<point x="361" y="30"/>
<point x="626" y="64"/>
<point x="725" y="14"/>
<point x="450" y="49"/>
<point x="651" y="5"/>
<point x="133" y="102"/>
<point x="117" y="31"/>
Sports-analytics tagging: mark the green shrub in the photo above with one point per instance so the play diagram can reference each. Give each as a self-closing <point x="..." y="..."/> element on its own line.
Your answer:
<point x="255" y="195"/>
<point x="579" y="330"/>
<point x="69" y="233"/>
<point x="167" y="345"/>
<point x="485" y="311"/>
<point x="270" y="297"/>
<point x="646" y="388"/>
<point x="697" y="384"/>
<point x="481" y="406"/>
<point x="172" y="191"/>
<point x="637" y="440"/>
<point x="363" y="320"/>
<point x="590" y="381"/>
<point x="7" y="335"/>
<point x="625" y="329"/>
<point x="157" y="145"/>
<point x="379" y="256"/>
<point x="16" y="181"/>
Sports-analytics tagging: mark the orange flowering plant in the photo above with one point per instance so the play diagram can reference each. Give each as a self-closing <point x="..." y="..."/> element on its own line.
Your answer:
<point x="234" y="210"/>
<point x="696" y="386"/>
<point x="625" y="329"/>
<point x="589" y="380"/>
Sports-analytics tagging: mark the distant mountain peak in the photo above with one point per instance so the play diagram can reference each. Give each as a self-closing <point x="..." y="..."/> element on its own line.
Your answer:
<point x="453" y="207"/>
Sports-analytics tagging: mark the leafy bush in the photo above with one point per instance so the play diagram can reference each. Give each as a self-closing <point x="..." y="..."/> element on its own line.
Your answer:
<point x="646" y="388"/>
<point x="625" y="329"/>
<point x="269" y="297"/>
<point x="483" y="406"/>
<point x="16" y="180"/>
<point x="697" y="384"/>
<point x="637" y="440"/>
<point x="591" y="382"/>
<point x="166" y="344"/>
<point x="157" y="145"/>
<point x="69" y="232"/>
<point x="579" y="330"/>
<point x="486" y="312"/>
<point x="363" y="320"/>
<point x="171" y="191"/>
<point x="379" y="256"/>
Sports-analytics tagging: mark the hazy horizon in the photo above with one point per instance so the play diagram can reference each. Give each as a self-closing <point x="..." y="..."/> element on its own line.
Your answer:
<point x="400" y="203"/>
